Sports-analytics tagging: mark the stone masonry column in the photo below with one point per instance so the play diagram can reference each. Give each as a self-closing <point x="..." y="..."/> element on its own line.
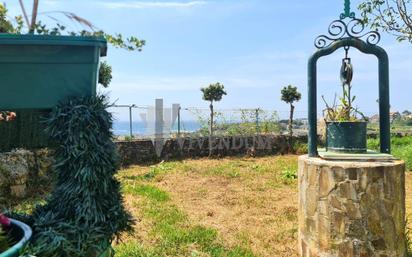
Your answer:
<point x="351" y="208"/>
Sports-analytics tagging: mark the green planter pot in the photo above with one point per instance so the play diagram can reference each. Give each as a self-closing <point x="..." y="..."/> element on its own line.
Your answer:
<point x="38" y="71"/>
<point x="346" y="137"/>
<point x="21" y="233"/>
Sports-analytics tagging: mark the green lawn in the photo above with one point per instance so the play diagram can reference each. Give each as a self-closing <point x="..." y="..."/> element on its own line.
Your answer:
<point x="401" y="148"/>
<point x="229" y="207"/>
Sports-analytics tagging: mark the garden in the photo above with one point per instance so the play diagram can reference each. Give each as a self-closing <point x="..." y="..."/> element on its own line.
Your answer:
<point x="234" y="207"/>
<point x="342" y="191"/>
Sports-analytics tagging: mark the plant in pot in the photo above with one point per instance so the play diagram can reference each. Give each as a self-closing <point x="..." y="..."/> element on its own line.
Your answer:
<point x="84" y="213"/>
<point x="43" y="62"/>
<point x="56" y="61"/>
<point x="346" y="126"/>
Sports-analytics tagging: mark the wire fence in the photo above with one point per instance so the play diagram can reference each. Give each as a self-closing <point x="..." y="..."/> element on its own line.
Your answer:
<point x="144" y="121"/>
<point x="134" y="121"/>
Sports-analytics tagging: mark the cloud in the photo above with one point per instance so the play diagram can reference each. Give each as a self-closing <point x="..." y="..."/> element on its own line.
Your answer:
<point x="152" y="4"/>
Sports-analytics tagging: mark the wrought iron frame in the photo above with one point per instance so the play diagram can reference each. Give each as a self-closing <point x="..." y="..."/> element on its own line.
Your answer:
<point x="349" y="34"/>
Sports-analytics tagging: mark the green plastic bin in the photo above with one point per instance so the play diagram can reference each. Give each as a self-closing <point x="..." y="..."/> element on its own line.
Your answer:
<point x="37" y="71"/>
<point x="21" y="233"/>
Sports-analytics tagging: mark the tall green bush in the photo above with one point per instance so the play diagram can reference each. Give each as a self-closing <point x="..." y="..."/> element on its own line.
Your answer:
<point x="85" y="211"/>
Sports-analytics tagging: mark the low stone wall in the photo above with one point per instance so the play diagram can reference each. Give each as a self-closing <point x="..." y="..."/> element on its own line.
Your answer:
<point x="143" y="151"/>
<point x="22" y="171"/>
<point x="26" y="171"/>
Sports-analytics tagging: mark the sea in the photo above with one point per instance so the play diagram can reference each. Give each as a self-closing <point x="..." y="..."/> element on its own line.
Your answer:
<point x="122" y="128"/>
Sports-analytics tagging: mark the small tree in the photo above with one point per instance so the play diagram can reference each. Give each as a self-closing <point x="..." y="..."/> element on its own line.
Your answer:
<point x="290" y="95"/>
<point x="212" y="93"/>
<point x="406" y="113"/>
<point x="390" y="16"/>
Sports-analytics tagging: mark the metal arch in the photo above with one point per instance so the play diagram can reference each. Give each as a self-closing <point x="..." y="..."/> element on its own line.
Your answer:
<point x="384" y="105"/>
<point x="339" y="29"/>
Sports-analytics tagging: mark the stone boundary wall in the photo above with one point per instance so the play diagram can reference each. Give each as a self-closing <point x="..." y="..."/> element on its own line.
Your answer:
<point x="22" y="171"/>
<point x="144" y="151"/>
<point x="25" y="171"/>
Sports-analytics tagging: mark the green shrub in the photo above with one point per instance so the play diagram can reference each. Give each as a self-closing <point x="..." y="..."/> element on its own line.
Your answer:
<point x="300" y="147"/>
<point x="105" y="74"/>
<point x="85" y="211"/>
<point x="289" y="174"/>
<point x="401" y="148"/>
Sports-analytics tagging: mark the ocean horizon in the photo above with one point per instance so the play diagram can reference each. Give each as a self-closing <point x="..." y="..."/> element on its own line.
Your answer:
<point x="139" y="128"/>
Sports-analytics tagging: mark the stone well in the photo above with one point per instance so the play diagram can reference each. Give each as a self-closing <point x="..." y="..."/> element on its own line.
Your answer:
<point x="351" y="208"/>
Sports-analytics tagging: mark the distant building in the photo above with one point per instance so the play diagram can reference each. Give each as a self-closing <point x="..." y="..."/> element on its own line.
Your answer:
<point x="392" y="117"/>
<point x="374" y="118"/>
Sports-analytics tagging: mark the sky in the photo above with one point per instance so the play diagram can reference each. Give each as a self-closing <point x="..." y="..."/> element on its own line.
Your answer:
<point x="253" y="47"/>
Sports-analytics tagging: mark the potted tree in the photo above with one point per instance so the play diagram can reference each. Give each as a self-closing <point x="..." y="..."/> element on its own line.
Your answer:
<point x="46" y="68"/>
<point x="346" y="126"/>
<point x="47" y="65"/>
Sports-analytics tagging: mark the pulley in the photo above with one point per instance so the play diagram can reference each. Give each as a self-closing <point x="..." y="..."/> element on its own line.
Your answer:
<point x="346" y="71"/>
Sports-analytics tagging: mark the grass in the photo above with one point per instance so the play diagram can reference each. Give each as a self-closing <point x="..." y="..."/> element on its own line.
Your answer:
<point x="230" y="207"/>
<point x="216" y="208"/>
<point x="170" y="229"/>
<point x="401" y="148"/>
<point x="147" y="191"/>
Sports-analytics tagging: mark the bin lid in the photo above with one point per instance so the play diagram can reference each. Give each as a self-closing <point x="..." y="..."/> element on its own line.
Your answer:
<point x="29" y="39"/>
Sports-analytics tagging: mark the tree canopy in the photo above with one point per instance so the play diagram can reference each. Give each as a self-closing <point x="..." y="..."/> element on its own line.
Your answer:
<point x="214" y="92"/>
<point x="290" y="94"/>
<point x="394" y="17"/>
<point x="17" y="25"/>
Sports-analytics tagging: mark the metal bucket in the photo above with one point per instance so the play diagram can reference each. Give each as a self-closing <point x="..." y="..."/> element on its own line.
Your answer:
<point x="346" y="137"/>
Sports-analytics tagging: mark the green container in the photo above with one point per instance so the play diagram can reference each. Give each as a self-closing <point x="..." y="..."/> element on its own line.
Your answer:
<point x="20" y="233"/>
<point x="346" y="137"/>
<point x="38" y="71"/>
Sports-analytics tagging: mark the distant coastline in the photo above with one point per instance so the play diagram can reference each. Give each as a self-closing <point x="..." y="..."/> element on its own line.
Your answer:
<point x="122" y="128"/>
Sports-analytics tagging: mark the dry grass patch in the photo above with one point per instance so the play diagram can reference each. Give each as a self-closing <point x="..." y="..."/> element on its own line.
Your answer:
<point x="246" y="201"/>
<point x="231" y="207"/>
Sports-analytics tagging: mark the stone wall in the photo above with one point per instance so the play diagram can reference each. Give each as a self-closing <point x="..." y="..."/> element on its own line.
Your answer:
<point x="143" y="151"/>
<point x="21" y="171"/>
<point x="351" y="209"/>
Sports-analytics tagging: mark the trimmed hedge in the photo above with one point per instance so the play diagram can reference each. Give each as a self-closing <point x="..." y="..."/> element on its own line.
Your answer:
<point x="85" y="211"/>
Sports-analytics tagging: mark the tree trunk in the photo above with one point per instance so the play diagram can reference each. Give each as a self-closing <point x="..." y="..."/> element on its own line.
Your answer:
<point x="211" y="130"/>
<point x="290" y="127"/>
<point x="23" y="9"/>
<point x="292" y="110"/>
<point x="34" y="16"/>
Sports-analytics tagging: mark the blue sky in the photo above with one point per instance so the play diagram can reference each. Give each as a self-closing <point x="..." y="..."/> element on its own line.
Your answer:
<point x="253" y="47"/>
